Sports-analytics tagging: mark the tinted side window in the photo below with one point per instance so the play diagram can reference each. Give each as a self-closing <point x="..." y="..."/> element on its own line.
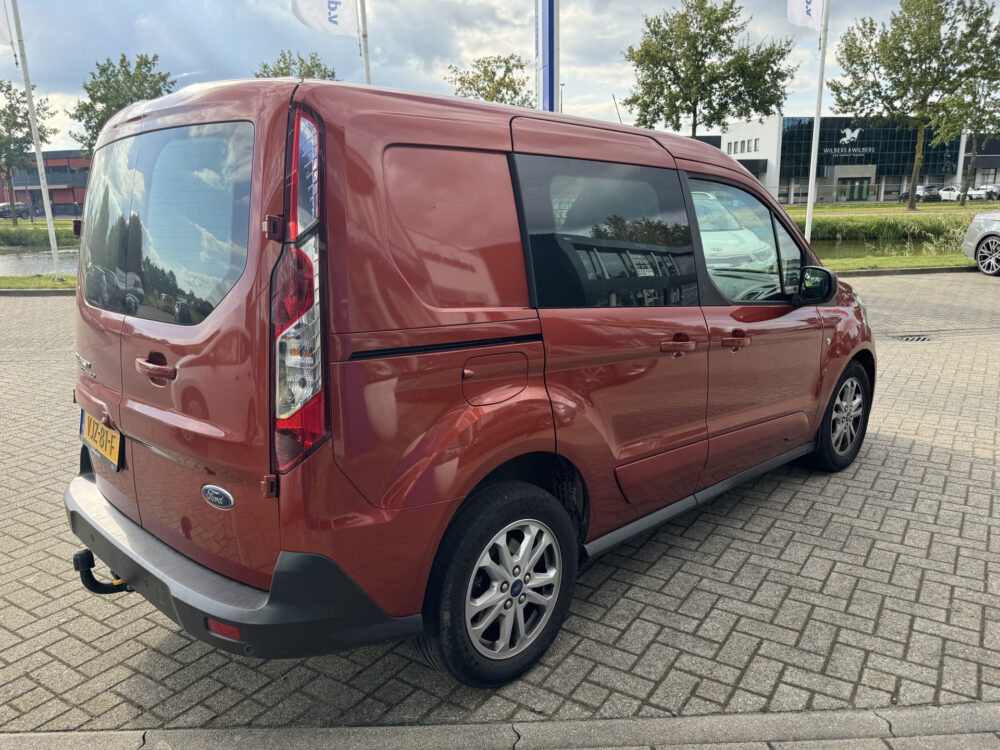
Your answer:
<point x="606" y="235"/>
<point x="737" y="237"/>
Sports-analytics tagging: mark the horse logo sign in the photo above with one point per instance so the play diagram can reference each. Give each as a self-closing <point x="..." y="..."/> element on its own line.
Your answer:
<point x="850" y="136"/>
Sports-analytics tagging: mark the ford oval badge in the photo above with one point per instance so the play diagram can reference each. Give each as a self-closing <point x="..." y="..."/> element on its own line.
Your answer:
<point x="217" y="496"/>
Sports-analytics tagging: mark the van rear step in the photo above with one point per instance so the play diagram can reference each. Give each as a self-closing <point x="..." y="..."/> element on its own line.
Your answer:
<point x="83" y="562"/>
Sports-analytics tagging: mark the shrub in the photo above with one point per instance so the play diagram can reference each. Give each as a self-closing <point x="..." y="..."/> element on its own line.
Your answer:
<point x="885" y="230"/>
<point x="36" y="234"/>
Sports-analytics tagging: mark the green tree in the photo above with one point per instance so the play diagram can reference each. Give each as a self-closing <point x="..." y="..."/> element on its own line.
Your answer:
<point x="112" y="87"/>
<point x="903" y="70"/>
<point x="493" y="79"/>
<point x="288" y="63"/>
<point x="15" y="135"/>
<point x="973" y="108"/>
<point x="694" y="64"/>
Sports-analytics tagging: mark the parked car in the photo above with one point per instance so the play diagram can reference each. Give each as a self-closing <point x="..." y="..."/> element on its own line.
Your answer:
<point x="21" y="209"/>
<point x="438" y="354"/>
<point x="925" y="193"/>
<point x="954" y="193"/>
<point x="982" y="242"/>
<point x="991" y="191"/>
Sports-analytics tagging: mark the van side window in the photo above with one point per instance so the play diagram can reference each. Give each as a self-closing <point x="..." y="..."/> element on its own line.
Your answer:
<point x="791" y="258"/>
<point x="737" y="238"/>
<point x="606" y="235"/>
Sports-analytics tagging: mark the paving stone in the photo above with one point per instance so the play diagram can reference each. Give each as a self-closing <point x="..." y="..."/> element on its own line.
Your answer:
<point x="876" y="586"/>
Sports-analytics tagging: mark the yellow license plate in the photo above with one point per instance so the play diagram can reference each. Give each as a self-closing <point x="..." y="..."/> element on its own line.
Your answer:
<point x="102" y="438"/>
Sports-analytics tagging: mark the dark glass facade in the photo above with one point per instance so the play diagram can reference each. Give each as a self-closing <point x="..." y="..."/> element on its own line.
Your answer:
<point x="845" y="141"/>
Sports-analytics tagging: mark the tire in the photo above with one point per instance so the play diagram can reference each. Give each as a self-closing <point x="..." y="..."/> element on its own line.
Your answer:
<point x="839" y="439"/>
<point x="469" y="567"/>
<point x="988" y="256"/>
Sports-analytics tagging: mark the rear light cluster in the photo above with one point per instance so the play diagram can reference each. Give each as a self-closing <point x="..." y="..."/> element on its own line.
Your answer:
<point x="300" y="419"/>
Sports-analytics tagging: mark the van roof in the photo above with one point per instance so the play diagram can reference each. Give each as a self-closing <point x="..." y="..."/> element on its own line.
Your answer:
<point x="679" y="146"/>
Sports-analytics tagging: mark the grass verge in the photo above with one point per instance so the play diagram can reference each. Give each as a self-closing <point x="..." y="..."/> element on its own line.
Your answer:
<point x="897" y="261"/>
<point x="48" y="281"/>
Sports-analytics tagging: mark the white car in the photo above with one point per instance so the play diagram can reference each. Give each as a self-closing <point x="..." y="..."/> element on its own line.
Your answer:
<point x="954" y="192"/>
<point x="982" y="242"/>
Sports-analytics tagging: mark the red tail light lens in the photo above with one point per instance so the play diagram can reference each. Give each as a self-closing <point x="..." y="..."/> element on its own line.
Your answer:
<point x="296" y="311"/>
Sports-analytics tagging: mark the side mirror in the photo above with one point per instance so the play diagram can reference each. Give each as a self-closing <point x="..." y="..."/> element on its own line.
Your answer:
<point x="817" y="286"/>
<point x="77" y="227"/>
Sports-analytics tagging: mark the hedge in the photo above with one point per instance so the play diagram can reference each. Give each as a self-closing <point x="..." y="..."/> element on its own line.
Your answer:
<point x="36" y="235"/>
<point x="886" y="229"/>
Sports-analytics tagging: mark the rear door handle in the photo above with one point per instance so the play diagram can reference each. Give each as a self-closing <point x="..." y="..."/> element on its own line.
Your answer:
<point x="677" y="346"/>
<point x="155" y="371"/>
<point x="737" y="340"/>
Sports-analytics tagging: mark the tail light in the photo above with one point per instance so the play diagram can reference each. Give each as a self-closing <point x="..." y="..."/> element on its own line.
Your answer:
<point x="300" y="420"/>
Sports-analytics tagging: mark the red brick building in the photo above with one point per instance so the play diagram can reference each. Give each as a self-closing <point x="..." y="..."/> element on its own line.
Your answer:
<point x="66" y="172"/>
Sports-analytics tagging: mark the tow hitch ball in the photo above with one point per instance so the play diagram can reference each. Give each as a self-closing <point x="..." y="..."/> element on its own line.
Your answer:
<point x="83" y="562"/>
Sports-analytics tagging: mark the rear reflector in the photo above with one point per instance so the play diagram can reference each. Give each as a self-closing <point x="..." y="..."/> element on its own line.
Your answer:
<point x="220" y="628"/>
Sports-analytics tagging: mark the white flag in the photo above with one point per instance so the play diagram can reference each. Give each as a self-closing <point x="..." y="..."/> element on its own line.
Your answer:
<point x="331" y="16"/>
<point x="6" y="37"/>
<point x="808" y="13"/>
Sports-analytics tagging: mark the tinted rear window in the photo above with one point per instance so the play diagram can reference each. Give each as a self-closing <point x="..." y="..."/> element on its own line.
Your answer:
<point x="167" y="221"/>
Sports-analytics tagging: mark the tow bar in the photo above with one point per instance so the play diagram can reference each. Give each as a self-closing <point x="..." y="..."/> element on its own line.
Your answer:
<point x="83" y="561"/>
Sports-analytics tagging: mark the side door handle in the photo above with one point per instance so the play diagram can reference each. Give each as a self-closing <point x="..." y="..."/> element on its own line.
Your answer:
<point x="155" y="371"/>
<point x="737" y="340"/>
<point x="679" y="344"/>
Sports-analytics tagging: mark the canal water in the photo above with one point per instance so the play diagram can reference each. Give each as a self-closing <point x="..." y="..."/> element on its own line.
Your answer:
<point x="30" y="261"/>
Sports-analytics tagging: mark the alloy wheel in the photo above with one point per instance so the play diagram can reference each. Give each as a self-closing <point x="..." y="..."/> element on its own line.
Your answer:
<point x="513" y="589"/>
<point x="988" y="256"/>
<point x="848" y="413"/>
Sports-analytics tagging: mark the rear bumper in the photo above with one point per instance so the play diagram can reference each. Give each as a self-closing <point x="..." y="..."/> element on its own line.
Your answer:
<point x="313" y="607"/>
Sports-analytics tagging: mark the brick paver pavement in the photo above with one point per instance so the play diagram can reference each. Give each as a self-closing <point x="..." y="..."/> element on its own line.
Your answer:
<point x="874" y="587"/>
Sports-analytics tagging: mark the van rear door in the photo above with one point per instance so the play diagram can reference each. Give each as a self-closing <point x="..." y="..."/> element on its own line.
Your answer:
<point x="101" y="304"/>
<point x="195" y="405"/>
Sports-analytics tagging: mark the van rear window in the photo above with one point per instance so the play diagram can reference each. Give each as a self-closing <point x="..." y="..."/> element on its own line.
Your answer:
<point x="167" y="221"/>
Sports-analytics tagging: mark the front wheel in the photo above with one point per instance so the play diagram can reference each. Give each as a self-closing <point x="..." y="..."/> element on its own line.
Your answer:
<point x="988" y="256"/>
<point x="501" y="585"/>
<point x="845" y="422"/>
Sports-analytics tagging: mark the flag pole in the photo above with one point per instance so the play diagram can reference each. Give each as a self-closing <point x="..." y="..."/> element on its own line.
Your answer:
<point x="814" y="156"/>
<point x="364" y="43"/>
<point x="39" y="159"/>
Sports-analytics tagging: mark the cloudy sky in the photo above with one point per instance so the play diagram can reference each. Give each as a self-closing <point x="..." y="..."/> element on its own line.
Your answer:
<point x="412" y="42"/>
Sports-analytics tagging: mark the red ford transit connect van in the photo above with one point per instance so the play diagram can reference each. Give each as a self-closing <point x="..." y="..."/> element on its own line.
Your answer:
<point x="358" y="365"/>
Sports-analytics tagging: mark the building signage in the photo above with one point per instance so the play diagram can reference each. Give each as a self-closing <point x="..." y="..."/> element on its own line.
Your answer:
<point x="847" y="147"/>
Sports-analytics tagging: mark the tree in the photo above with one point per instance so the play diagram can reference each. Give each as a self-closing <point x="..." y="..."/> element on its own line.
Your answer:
<point x="973" y="108"/>
<point x="493" y="79"/>
<point x="902" y="70"/>
<point x="287" y="64"/>
<point x="693" y="64"/>
<point x="15" y="135"/>
<point x="112" y="87"/>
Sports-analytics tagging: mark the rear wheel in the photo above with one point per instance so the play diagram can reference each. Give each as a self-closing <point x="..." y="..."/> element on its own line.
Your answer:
<point x="845" y="422"/>
<point x="988" y="256"/>
<point x="501" y="586"/>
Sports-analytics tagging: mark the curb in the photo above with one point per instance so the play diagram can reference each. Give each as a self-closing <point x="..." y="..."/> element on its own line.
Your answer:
<point x="904" y="271"/>
<point x="37" y="292"/>
<point x="936" y="724"/>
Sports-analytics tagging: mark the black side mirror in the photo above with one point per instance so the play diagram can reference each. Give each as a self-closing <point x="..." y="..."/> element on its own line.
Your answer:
<point x="77" y="227"/>
<point x="817" y="286"/>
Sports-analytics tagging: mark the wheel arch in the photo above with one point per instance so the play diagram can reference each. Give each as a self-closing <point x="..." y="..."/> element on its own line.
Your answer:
<point x="867" y="360"/>
<point x="550" y="471"/>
